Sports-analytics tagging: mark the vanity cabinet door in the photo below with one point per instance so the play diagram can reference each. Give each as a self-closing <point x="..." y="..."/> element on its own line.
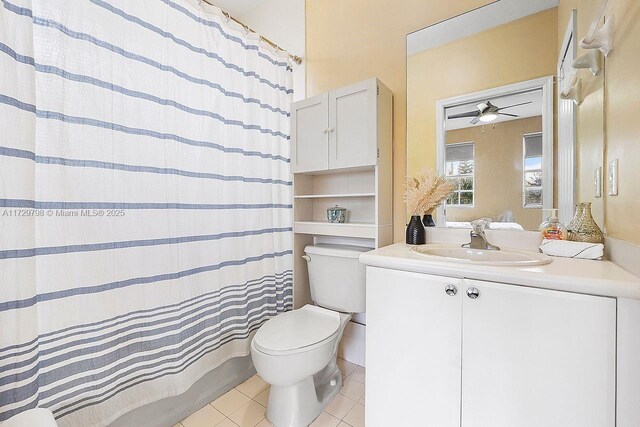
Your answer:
<point x="535" y="357"/>
<point x="413" y="349"/>
<point x="353" y="125"/>
<point x="309" y="134"/>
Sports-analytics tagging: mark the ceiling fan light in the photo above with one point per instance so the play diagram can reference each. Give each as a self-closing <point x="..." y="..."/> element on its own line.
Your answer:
<point x="488" y="117"/>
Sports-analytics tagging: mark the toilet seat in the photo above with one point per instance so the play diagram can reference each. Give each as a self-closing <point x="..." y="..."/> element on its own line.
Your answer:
<point x="298" y="330"/>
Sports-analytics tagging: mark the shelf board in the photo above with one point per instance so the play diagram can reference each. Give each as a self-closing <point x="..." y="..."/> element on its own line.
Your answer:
<point x="350" y="229"/>
<point x="333" y="196"/>
<point x="369" y="168"/>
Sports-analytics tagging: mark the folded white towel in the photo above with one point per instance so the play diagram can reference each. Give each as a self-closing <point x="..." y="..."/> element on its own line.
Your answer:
<point x="568" y="249"/>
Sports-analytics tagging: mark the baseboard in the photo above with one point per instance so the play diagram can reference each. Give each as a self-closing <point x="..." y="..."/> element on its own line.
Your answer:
<point x="352" y="344"/>
<point x="171" y="410"/>
<point x="623" y="253"/>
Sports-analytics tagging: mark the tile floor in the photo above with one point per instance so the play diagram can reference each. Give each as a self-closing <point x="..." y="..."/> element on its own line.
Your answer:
<point x="246" y="405"/>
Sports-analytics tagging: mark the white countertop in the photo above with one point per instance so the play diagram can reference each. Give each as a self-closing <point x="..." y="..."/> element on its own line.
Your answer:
<point x="563" y="274"/>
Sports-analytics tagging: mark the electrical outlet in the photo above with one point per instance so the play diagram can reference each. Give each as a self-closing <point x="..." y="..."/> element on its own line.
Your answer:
<point x="612" y="178"/>
<point x="597" y="183"/>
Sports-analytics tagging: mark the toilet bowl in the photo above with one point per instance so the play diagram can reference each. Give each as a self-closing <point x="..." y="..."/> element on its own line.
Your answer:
<point x="300" y="366"/>
<point x="296" y="351"/>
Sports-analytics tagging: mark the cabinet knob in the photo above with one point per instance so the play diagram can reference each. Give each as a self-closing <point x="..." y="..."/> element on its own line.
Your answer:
<point x="473" y="293"/>
<point x="451" y="290"/>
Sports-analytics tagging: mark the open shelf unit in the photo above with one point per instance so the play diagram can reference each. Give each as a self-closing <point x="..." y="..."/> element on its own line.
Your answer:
<point x="353" y="190"/>
<point x="341" y="154"/>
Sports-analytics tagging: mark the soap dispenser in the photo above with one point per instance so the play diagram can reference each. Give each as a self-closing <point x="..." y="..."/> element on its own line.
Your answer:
<point x="552" y="228"/>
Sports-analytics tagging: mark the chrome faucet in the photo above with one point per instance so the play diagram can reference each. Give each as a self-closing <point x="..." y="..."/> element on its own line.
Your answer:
<point x="478" y="238"/>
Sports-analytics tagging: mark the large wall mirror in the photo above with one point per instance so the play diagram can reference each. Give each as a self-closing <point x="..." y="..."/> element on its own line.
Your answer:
<point x="483" y="109"/>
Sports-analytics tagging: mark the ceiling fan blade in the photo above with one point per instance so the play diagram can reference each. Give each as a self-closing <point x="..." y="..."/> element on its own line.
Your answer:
<point x="476" y="120"/>
<point x="514" y="105"/>
<point x="507" y="114"/>
<point x="461" y="115"/>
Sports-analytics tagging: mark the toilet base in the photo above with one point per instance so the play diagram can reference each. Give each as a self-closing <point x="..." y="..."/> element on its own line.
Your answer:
<point x="299" y="404"/>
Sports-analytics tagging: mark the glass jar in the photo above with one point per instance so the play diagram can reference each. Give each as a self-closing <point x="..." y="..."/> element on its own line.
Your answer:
<point x="337" y="215"/>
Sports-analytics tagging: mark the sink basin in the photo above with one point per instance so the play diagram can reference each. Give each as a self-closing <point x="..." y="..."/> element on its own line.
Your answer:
<point x="504" y="257"/>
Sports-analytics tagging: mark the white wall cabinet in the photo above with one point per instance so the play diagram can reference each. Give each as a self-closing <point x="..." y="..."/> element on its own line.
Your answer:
<point x="339" y="129"/>
<point x="512" y="356"/>
<point x="309" y="133"/>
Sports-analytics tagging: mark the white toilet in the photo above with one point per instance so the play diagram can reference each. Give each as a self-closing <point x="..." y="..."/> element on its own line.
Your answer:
<point x="296" y="351"/>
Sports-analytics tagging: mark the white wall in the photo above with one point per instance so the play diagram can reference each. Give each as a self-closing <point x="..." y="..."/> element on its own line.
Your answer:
<point x="283" y="22"/>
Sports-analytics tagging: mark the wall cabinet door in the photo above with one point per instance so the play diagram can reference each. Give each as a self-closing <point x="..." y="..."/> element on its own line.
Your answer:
<point x="353" y="125"/>
<point x="534" y="357"/>
<point x="309" y="134"/>
<point x="413" y="349"/>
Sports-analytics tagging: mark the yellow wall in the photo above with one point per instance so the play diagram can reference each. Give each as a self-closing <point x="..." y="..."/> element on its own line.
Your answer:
<point x="622" y="97"/>
<point x="618" y="88"/>
<point x="498" y="171"/>
<point x="521" y="50"/>
<point x="349" y="41"/>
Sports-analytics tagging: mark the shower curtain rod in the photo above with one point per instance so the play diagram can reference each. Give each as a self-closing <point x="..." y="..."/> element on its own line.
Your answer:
<point x="294" y="58"/>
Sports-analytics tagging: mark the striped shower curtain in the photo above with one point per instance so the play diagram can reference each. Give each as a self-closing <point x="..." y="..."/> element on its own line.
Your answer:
<point x="145" y="201"/>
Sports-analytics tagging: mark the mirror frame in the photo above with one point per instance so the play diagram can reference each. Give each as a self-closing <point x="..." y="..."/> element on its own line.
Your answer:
<point x="544" y="83"/>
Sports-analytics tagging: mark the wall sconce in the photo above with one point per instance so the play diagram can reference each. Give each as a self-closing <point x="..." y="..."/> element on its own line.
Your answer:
<point x="574" y="93"/>
<point x="591" y="60"/>
<point x="602" y="39"/>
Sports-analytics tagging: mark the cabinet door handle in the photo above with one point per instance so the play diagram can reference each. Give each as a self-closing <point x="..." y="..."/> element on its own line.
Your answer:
<point x="325" y="130"/>
<point x="451" y="290"/>
<point x="473" y="293"/>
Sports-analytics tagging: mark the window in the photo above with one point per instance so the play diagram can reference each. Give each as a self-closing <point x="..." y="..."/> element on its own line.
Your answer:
<point x="460" y="168"/>
<point x="532" y="171"/>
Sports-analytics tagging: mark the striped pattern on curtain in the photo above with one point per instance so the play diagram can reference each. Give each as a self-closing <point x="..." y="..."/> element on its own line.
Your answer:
<point x="145" y="201"/>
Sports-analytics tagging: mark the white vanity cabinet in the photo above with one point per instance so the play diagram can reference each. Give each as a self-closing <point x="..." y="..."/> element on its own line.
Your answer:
<point x="340" y="129"/>
<point x="488" y="355"/>
<point x="537" y="357"/>
<point x="413" y="350"/>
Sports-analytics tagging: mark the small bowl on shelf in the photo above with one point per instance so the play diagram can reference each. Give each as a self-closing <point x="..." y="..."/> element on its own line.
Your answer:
<point x="337" y="215"/>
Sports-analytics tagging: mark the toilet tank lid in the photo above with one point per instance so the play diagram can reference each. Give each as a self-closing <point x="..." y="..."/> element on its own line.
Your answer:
<point x="344" y="251"/>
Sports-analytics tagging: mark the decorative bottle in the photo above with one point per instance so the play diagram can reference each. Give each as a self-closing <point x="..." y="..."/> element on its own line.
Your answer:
<point x="587" y="230"/>
<point x="575" y="221"/>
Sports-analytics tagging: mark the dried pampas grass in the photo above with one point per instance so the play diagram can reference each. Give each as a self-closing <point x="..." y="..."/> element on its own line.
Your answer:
<point x="425" y="192"/>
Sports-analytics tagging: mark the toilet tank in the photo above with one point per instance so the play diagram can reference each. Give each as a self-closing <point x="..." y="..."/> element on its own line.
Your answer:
<point x="336" y="277"/>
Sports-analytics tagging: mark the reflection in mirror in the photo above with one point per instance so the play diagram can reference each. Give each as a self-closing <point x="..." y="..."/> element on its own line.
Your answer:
<point x="481" y="109"/>
<point x="494" y="152"/>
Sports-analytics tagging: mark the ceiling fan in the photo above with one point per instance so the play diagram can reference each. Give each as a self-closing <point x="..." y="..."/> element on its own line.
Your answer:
<point x="486" y="112"/>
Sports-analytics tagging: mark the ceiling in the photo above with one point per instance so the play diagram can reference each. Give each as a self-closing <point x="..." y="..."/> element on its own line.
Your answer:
<point x="237" y="8"/>
<point x="529" y="110"/>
